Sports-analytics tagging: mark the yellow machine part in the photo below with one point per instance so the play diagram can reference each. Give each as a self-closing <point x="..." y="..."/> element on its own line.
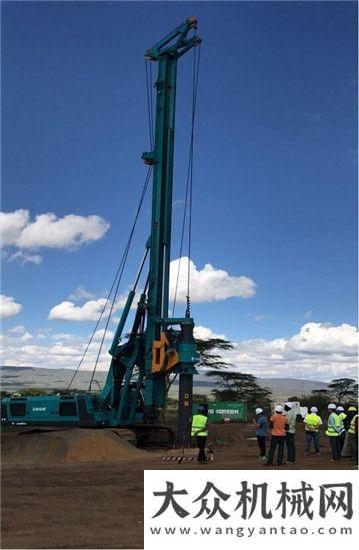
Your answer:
<point x="164" y="358"/>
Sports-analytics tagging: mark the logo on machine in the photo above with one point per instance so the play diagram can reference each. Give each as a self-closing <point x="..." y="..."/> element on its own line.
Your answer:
<point x="38" y="409"/>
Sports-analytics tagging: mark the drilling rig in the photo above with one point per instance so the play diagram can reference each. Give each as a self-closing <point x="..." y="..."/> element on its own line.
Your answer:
<point x="157" y="345"/>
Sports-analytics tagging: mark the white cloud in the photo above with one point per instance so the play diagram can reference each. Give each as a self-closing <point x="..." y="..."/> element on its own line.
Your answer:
<point x="8" y="306"/>
<point x="81" y="294"/>
<point x="18" y="329"/>
<point x="262" y="317"/>
<point x="26" y="336"/>
<point x="318" y="351"/>
<point x="89" y="311"/>
<point x="99" y="335"/>
<point x="25" y="258"/>
<point x="68" y="311"/>
<point x="12" y="224"/>
<point x="47" y="231"/>
<point x="205" y="333"/>
<point x="208" y="284"/>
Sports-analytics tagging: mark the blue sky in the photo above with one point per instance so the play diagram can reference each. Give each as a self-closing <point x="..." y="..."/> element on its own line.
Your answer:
<point x="275" y="164"/>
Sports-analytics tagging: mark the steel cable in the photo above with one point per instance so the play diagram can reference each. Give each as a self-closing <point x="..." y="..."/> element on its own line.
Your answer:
<point x="189" y="184"/>
<point x="117" y="277"/>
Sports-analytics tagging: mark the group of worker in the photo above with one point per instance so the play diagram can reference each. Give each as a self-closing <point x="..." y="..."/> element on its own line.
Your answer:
<point x="342" y="432"/>
<point x="341" y="429"/>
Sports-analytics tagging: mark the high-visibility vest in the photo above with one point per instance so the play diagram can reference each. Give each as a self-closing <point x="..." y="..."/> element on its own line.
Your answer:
<point x="312" y="422"/>
<point x="330" y="430"/>
<point x="352" y="425"/>
<point x="199" y="422"/>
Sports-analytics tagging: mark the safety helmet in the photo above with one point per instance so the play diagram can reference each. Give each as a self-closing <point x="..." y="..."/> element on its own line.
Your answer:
<point x="352" y="409"/>
<point x="313" y="409"/>
<point x="340" y="408"/>
<point x="289" y="404"/>
<point x="258" y="410"/>
<point x="278" y="408"/>
<point x="332" y="406"/>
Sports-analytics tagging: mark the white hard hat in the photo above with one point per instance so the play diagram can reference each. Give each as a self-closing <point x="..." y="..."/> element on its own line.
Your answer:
<point x="313" y="409"/>
<point x="332" y="406"/>
<point x="289" y="404"/>
<point x="259" y="410"/>
<point x="340" y="408"/>
<point x="278" y="408"/>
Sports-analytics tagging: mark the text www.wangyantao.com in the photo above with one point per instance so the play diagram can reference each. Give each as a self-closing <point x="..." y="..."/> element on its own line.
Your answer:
<point x="248" y="532"/>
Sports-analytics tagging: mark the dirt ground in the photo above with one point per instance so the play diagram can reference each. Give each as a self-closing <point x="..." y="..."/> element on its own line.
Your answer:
<point x="99" y="504"/>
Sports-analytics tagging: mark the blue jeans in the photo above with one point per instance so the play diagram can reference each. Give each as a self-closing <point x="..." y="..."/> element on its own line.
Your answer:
<point x="308" y="438"/>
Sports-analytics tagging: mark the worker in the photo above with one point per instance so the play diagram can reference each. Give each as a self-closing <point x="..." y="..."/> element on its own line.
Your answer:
<point x="352" y="411"/>
<point x="261" y="432"/>
<point x="278" y="424"/>
<point x="353" y="439"/>
<point x="342" y="416"/>
<point x="334" y="428"/>
<point x="291" y="415"/>
<point x="199" y="430"/>
<point x="312" y="423"/>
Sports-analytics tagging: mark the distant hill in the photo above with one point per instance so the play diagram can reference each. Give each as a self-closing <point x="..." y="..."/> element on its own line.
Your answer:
<point x="15" y="378"/>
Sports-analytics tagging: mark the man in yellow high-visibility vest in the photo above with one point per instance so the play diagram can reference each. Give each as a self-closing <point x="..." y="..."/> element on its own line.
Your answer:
<point x="334" y="428"/>
<point x="199" y="430"/>
<point x="312" y="423"/>
<point x="342" y="415"/>
<point x="352" y="411"/>
<point x="353" y="439"/>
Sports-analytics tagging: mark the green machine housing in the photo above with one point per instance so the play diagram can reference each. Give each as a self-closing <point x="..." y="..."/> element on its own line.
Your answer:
<point x="157" y="345"/>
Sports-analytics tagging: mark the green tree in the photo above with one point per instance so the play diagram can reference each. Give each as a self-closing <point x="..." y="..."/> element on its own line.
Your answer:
<point x="238" y="386"/>
<point x="343" y="389"/>
<point x="209" y="355"/>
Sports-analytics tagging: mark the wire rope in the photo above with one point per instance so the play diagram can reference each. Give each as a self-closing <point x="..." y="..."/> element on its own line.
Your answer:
<point x="118" y="274"/>
<point x="189" y="186"/>
<point x="122" y="267"/>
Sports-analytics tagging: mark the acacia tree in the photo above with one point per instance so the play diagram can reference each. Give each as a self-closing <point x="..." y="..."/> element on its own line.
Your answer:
<point x="343" y="389"/>
<point x="238" y="386"/>
<point x="209" y="355"/>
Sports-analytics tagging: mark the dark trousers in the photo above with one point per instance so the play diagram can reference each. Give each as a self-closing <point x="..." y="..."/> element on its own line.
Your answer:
<point x="201" y="444"/>
<point x="276" y="440"/>
<point x="262" y="445"/>
<point x="353" y="447"/>
<point x="290" y="442"/>
<point x="308" y="438"/>
<point x="341" y="441"/>
<point x="335" y="447"/>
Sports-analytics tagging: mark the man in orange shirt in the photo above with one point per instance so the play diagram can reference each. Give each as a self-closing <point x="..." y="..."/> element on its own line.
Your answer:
<point x="278" y="423"/>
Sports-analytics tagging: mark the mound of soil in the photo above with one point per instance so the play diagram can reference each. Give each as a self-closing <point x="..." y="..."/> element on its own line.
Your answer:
<point x="68" y="446"/>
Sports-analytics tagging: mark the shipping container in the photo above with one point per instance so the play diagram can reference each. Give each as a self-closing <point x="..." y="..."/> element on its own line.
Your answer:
<point x="225" y="411"/>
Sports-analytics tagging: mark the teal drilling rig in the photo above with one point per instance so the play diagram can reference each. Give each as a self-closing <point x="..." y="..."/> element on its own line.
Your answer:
<point x="157" y="344"/>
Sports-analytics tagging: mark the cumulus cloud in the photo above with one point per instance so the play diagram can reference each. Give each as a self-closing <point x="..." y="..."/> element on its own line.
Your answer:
<point x="8" y="306"/>
<point x="17" y="329"/>
<point x="319" y="351"/>
<point x="68" y="311"/>
<point x="25" y="258"/>
<point x="89" y="311"/>
<point x="81" y="294"/>
<point x="207" y="284"/>
<point x="205" y="333"/>
<point x="47" y="231"/>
